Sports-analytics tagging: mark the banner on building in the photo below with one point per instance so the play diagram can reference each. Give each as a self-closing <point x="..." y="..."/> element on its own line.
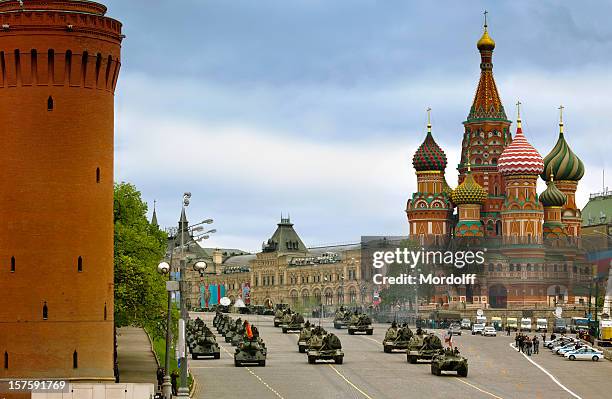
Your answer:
<point x="246" y="293"/>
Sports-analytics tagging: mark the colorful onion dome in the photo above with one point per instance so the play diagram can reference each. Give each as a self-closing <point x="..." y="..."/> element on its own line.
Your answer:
<point x="446" y="188"/>
<point x="520" y="157"/>
<point x="469" y="192"/>
<point x="561" y="161"/>
<point x="485" y="43"/>
<point x="429" y="156"/>
<point x="552" y="196"/>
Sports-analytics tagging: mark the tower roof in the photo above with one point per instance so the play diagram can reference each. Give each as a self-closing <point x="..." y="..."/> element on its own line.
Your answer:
<point x="285" y="239"/>
<point x="520" y="157"/>
<point x="429" y="156"/>
<point x="469" y="192"/>
<point x="552" y="196"/>
<point x="561" y="160"/>
<point x="154" y="217"/>
<point x="487" y="103"/>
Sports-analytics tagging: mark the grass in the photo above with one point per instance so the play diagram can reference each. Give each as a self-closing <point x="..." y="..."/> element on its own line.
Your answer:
<point x="159" y="346"/>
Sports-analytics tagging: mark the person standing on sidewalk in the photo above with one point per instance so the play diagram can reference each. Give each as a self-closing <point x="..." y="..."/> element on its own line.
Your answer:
<point x="536" y="344"/>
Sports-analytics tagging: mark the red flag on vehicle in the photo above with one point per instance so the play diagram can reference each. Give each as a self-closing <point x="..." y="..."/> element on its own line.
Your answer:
<point x="249" y="333"/>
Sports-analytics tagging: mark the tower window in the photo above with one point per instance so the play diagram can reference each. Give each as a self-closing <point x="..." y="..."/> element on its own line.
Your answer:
<point x="50" y="103"/>
<point x="12" y="264"/>
<point x="80" y="264"/>
<point x="75" y="360"/>
<point x="97" y="175"/>
<point x="6" y="360"/>
<point x="45" y="311"/>
<point x="105" y="311"/>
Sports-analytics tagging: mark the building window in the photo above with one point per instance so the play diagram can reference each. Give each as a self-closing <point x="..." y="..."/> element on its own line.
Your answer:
<point x="45" y="311"/>
<point x="75" y="360"/>
<point x="97" y="175"/>
<point x="105" y="315"/>
<point x="6" y="364"/>
<point x="50" y="103"/>
<point x="12" y="264"/>
<point x="80" y="264"/>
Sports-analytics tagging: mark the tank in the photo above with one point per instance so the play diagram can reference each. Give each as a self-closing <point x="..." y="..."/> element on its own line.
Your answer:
<point x="250" y="351"/>
<point x="397" y="339"/>
<point x="341" y="318"/>
<point x="324" y="347"/>
<point x="360" y="323"/>
<point x="279" y="314"/>
<point x="238" y="335"/>
<point x="293" y="322"/>
<point x="233" y="327"/>
<point x="205" y="345"/>
<point x="424" y="348"/>
<point x="305" y="335"/>
<point x="449" y="360"/>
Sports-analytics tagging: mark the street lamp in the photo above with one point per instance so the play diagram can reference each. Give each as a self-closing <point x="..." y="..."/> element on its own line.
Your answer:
<point x="164" y="268"/>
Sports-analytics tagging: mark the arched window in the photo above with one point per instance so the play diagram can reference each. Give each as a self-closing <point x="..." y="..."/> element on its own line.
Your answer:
<point x="75" y="360"/>
<point x="45" y="311"/>
<point x="12" y="264"/>
<point x="6" y="360"/>
<point x="105" y="315"/>
<point x="97" y="175"/>
<point x="80" y="264"/>
<point x="50" y="103"/>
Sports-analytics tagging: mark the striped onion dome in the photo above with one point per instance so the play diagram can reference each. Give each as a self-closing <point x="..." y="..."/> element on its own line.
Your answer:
<point x="562" y="162"/>
<point x="469" y="192"/>
<point x="429" y="156"/>
<point x="552" y="196"/>
<point x="520" y="157"/>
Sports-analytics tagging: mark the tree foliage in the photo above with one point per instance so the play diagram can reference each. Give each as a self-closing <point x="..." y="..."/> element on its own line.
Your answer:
<point x="140" y="294"/>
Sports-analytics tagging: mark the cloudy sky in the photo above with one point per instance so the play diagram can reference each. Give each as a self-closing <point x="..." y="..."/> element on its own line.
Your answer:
<point x="314" y="108"/>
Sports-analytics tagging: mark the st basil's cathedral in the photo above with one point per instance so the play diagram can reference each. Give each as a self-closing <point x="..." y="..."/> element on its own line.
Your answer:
<point x="532" y="238"/>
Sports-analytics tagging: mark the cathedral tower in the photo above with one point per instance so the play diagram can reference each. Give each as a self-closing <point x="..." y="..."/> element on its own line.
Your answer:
<point x="568" y="169"/>
<point x="485" y="137"/>
<point x="469" y="197"/>
<point x="430" y="209"/>
<point x="59" y="66"/>
<point x="522" y="213"/>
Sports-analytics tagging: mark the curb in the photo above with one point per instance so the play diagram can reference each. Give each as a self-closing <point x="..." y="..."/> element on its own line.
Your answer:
<point x="151" y="346"/>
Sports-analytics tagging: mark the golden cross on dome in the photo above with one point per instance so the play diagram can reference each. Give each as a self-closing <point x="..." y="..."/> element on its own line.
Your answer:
<point x="485" y="16"/>
<point x="561" y="118"/>
<point x="429" y="119"/>
<point x="518" y="110"/>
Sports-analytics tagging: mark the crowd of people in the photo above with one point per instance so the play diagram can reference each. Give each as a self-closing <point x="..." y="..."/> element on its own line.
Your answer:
<point x="527" y="345"/>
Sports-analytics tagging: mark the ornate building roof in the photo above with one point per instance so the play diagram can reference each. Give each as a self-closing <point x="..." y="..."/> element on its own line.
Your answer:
<point x="552" y="196"/>
<point x="429" y="156"/>
<point x="486" y="104"/>
<point x="285" y="239"/>
<point x="561" y="161"/>
<point x="469" y="192"/>
<point x="520" y="157"/>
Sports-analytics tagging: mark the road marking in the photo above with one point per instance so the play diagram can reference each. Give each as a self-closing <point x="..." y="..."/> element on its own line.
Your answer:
<point x="552" y="377"/>
<point x="477" y="388"/>
<point x="350" y="383"/>
<point x="278" y="395"/>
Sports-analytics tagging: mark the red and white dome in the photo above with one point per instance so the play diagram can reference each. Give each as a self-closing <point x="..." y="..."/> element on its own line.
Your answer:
<point x="520" y="157"/>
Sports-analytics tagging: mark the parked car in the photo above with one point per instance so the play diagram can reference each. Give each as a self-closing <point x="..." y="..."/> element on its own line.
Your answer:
<point x="455" y="329"/>
<point x="586" y="353"/>
<point x="526" y="324"/>
<point x="466" y="324"/>
<point x="477" y="328"/>
<point x="512" y="323"/>
<point x="560" y="326"/>
<point x="489" y="331"/>
<point x="567" y="348"/>
<point x="541" y="325"/>
<point x="560" y="341"/>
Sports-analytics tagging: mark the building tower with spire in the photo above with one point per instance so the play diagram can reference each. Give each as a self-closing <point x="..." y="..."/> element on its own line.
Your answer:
<point x="486" y="135"/>
<point x="469" y="197"/>
<point x="430" y="209"/>
<point x="522" y="213"/>
<point x="154" y="217"/>
<point x="567" y="169"/>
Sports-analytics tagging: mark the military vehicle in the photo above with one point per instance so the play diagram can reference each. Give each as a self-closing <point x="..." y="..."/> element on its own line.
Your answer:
<point x="397" y="338"/>
<point x="292" y="322"/>
<point x="360" y="323"/>
<point x="430" y="345"/>
<point x="223" y="324"/>
<point x="233" y="327"/>
<point x="279" y="314"/>
<point x="205" y="345"/>
<point x="251" y="350"/>
<point x="342" y="318"/>
<point x="305" y="335"/>
<point x="239" y="334"/>
<point x="324" y="347"/>
<point x="449" y="360"/>
<point x="217" y="319"/>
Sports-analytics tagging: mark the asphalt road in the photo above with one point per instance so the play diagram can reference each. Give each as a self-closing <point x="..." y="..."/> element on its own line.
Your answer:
<point x="496" y="370"/>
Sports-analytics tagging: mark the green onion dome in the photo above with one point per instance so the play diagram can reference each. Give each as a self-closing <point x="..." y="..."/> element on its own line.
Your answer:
<point x="429" y="156"/>
<point x="469" y="192"/>
<point x="562" y="162"/>
<point x="552" y="196"/>
<point x="446" y="188"/>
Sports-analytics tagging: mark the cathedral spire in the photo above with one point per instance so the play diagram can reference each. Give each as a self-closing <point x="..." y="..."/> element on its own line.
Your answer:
<point x="487" y="104"/>
<point x="154" y="217"/>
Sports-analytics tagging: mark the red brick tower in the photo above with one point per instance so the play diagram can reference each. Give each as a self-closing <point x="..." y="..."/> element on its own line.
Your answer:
<point x="485" y="138"/>
<point x="59" y="63"/>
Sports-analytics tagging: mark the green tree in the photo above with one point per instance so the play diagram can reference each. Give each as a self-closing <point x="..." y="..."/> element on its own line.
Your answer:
<point x="140" y="295"/>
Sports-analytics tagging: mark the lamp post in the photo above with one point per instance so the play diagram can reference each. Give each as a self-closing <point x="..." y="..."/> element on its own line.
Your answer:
<point x="164" y="268"/>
